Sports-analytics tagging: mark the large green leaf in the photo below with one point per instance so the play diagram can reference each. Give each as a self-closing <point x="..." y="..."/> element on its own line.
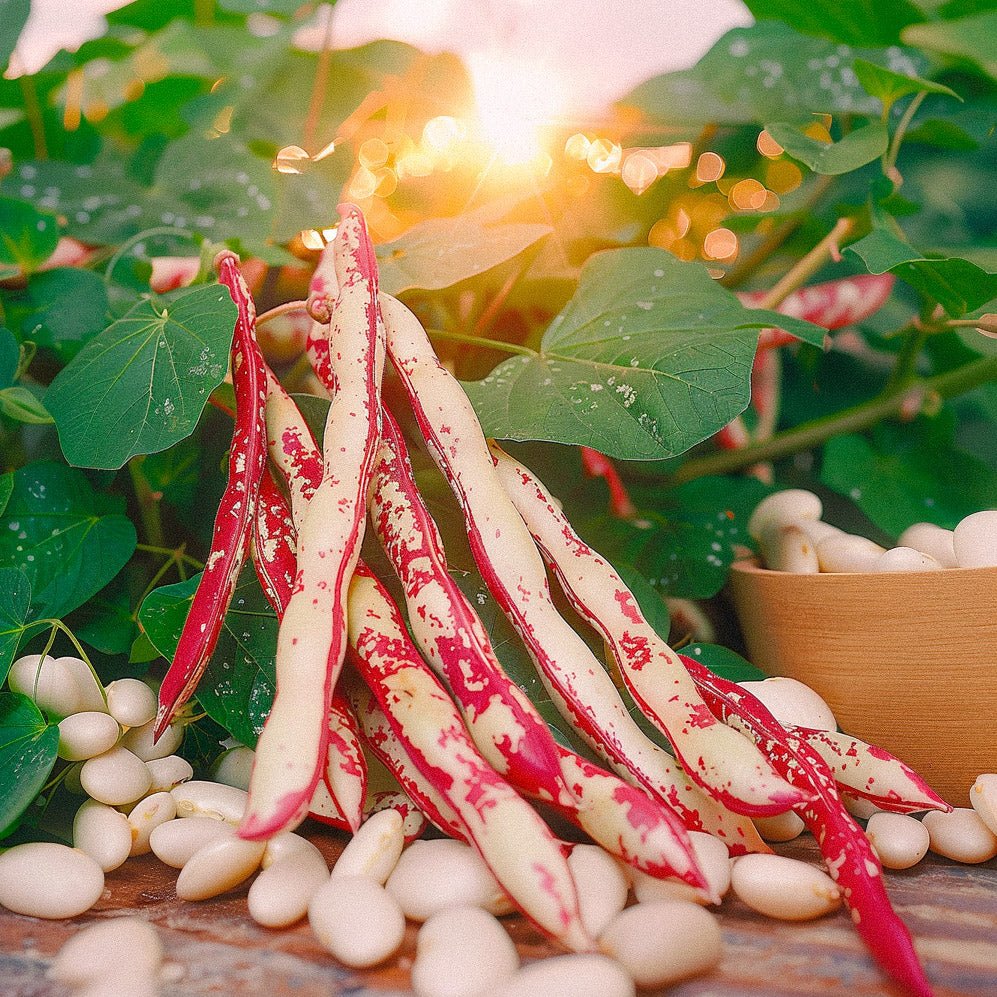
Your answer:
<point x="724" y="662"/>
<point x="889" y="87"/>
<point x="858" y="22"/>
<point x="10" y="357"/>
<point x="238" y="685"/>
<point x="649" y="357"/>
<point x="27" y="237"/>
<point x="68" y="306"/>
<point x="6" y="488"/>
<point x="15" y="601"/>
<point x="67" y="538"/>
<point x="831" y="158"/>
<point x="13" y="15"/>
<point x="440" y="252"/>
<point x="768" y="72"/>
<point x="140" y="385"/>
<point x="956" y="284"/>
<point x="973" y="38"/>
<point x="905" y="475"/>
<point x="21" y="405"/>
<point x="29" y="745"/>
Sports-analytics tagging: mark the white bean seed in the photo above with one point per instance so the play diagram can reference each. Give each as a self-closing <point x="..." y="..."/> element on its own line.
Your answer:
<point x="131" y="702"/>
<point x="281" y="893"/>
<point x="784" y="507"/>
<point x="663" y="942"/>
<point x="138" y="740"/>
<point x="788" y="547"/>
<point x="357" y="920"/>
<point x="847" y="553"/>
<point x="147" y="815"/>
<point x="103" y="833"/>
<point x="462" y="952"/>
<point x="375" y="848"/>
<point x="116" y="777"/>
<point x="782" y="827"/>
<point x="578" y="975"/>
<point x="50" y="684"/>
<point x="713" y="860"/>
<point x="177" y="840"/>
<point x="218" y="867"/>
<point x="42" y="879"/>
<point x="126" y="946"/>
<point x="792" y="702"/>
<point x="84" y="735"/>
<point x="211" y="799"/>
<point x="433" y="875"/>
<point x="287" y="843"/>
<point x="818" y="530"/>
<point x="169" y="772"/>
<point x="234" y="766"/>
<point x="899" y="841"/>
<point x="784" y="888"/>
<point x="602" y="886"/>
<point x="904" y="559"/>
<point x="983" y="796"/>
<point x="975" y="540"/>
<point x="932" y="540"/>
<point x="961" y="835"/>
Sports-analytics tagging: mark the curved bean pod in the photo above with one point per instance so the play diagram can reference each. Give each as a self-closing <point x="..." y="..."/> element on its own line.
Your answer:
<point x="236" y="511"/>
<point x="414" y="821"/>
<point x="850" y="858"/>
<point x="506" y="831"/>
<point x="726" y="764"/>
<point x="311" y="642"/>
<point x="872" y="773"/>
<point x="272" y="544"/>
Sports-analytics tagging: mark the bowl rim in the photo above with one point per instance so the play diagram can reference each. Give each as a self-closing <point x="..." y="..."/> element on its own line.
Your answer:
<point x="752" y="566"/>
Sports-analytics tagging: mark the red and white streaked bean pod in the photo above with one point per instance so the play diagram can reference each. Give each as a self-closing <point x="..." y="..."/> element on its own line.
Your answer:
<point x="505" y="726"/>
<point x="414" y="821"/>
<point x="512" y="567"/>
<point x="598" y="465"/>
<point x="273" y="542"/>
<point x="236" y="511"/>
<point x="387" y="748"/>
<point x="723" y="762"/>
<point x="620" y="817"/>
<point x="848" y="854"/>
<point x="345" y="771"/>
<point x="871" y="772"/>
<point x="833" y="304"/>
<point x="508" y="833"/>
<point x="311" y="642"/>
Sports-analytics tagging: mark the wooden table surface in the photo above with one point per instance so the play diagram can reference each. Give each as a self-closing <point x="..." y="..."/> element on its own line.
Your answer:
<point x="214" y="947"/>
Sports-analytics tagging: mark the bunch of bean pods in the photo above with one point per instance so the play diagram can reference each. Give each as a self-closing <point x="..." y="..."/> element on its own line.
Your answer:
<point x="425" y="693"/>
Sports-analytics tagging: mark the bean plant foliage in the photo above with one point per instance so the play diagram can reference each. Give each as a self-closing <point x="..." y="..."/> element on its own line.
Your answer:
<point x="616" y="292"/>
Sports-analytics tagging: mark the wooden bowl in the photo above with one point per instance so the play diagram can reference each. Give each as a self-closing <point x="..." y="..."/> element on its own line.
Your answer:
<point x="907" y="661"/>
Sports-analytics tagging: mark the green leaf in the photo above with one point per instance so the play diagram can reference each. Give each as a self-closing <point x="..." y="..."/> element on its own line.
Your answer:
<point x="956" y="284"/>
<point x="237" y="687"/>
<point x="19" y="404"/>
<point x="13" y="16"/>
<point x="889" y="86"/>
<point x="858" y="22"/>
<point x="28" y="749"/>
<point x="106" y="622"/>
<point x="724" y="662"/>
<point x="68" y="307"/>
<point x="648" y="358"/>
<point x="15" y="601"/>
<point x="440" y="252"/>
<point x="973" y="38"/>
<point x="283" y="8"/>
<point x="857" y="148"/>
<point x="27" y="237"/>
<point x="140" y="385"/>
<point x="10" y="357"/>
<point x="905" y="475"/>
<point x="67" y="538"/>
<point x="6" y="487"/>
<point x="768" y="72"/>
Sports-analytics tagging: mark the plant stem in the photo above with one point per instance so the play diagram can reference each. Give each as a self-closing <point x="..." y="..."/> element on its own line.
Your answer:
<point x="35" y="118"/>
<point x="204" y="12"/>
<point x="148" y="503"/>
<point x="138" y="237"/>
<point x="319" y="85"/>
<point x="277" y="310"/>
<point x="807" y="265"/>
<point x="59" y="626"/>
<point x="850" y="420"/>
<point x="178" y="554"/>
<point x="890" y="156"/>
<point x="488" y="344"/>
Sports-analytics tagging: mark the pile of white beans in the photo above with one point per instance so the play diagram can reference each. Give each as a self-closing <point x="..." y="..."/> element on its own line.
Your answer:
<point x="791" y="536"/>
<point x="650" y="932"/>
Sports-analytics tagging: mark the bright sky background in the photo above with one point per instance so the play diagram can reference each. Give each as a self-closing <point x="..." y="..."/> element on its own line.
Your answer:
<point x="576" y="56"/>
